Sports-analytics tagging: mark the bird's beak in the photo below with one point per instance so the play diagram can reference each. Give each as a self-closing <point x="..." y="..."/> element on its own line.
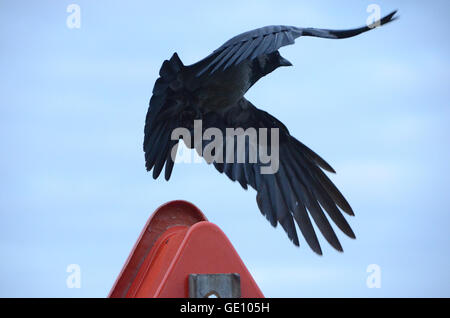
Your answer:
<point x="284" y="62"/>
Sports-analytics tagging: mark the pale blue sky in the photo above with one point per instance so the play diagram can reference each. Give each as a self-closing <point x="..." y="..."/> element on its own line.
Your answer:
<point x="73" y="184"/>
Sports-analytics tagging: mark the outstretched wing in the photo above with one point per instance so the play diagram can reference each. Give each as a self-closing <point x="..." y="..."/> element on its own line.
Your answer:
<point x="297" y="191"/>
<point x="268" y="39"/>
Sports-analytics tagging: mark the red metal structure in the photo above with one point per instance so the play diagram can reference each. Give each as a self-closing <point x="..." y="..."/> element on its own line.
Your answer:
<point x="177" y="241"/>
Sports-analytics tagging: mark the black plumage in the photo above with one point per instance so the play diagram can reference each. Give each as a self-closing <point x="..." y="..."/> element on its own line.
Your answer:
<point x="213" y="90"/>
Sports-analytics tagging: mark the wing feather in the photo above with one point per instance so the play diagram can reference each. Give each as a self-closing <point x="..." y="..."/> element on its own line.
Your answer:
<point x="297" y="191"/>
<point x="268" y="39"/>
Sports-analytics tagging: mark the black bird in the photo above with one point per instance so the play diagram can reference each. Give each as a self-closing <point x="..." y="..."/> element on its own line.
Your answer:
<point x="212" y="90"/>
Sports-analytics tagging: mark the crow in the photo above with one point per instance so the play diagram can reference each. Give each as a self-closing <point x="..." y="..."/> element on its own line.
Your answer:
<point x="212" y="91"/>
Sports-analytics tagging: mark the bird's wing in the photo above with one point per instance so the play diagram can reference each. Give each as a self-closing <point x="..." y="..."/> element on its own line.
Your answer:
<point x="166" y="109"/>
<point x="298" y="190"/>
<point x="268" y="39"/>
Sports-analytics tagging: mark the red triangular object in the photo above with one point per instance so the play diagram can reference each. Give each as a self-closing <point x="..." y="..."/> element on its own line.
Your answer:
<point x="177" y="241"/>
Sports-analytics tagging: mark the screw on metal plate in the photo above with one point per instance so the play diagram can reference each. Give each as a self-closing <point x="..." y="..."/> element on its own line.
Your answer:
<point x="215" y="285"/>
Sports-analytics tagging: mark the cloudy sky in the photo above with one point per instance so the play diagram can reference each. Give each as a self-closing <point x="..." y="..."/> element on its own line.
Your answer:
<point x="74" y="190"/>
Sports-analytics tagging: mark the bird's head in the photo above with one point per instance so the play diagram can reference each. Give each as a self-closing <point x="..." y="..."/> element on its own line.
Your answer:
<point x="270" y="62"/>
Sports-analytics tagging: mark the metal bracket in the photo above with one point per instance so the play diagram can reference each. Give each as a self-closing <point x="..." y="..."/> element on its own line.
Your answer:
<point x="215" y="285"/>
